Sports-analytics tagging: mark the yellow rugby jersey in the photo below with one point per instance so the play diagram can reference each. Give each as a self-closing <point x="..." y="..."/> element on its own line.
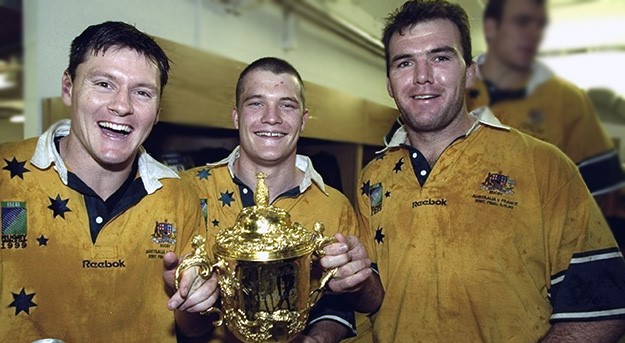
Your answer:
<point x="222" y="198"/>
<point x="56" y="283"/>
<point x="498" y="239"/>
<point x="558" y="112"/>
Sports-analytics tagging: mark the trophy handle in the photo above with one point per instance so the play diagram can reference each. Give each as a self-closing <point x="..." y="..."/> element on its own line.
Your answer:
<point x="316" y="294"/>
<point x="220" y="320"/>
<point x="320" y="242"/>
<point x="199" y="258"/>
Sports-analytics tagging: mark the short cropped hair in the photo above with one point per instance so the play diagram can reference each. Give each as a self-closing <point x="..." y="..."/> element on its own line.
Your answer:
<point x="274" y="65"/>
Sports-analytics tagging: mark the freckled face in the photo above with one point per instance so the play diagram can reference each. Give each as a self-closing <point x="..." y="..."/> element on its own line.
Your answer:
<point x="270" y="117"/>
<point x="114" y="100"/>
<point x="427" y="75"/>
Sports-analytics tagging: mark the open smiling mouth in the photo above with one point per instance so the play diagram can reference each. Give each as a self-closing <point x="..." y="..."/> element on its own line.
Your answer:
<point x="424" y="97"/>
<point x="116" y="129"/>
<point x="270" y="134"/>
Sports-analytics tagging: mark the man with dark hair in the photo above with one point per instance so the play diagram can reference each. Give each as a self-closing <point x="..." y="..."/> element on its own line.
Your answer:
<point x="525" y="94"/>
<point x="270" y="113"/>
<point x="87" y="215"/>
<point x="480" y="233"/>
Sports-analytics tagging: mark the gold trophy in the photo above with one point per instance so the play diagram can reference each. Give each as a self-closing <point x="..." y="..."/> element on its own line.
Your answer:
<point x="264" y="267"/>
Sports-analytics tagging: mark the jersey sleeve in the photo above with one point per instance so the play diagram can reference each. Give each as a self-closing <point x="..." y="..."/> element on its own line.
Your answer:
<point x="336" y="307"/>
<point x="586" y="268"/>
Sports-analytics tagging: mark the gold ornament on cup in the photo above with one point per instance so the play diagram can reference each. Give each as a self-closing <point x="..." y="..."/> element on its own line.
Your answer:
<point x="264" y="266"/>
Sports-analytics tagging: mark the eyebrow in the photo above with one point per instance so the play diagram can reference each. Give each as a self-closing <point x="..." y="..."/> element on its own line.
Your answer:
<point x="107" y="75"/>
<point x="445" y="48"/>
<point x="260" y="96"/>
<point x="400" y="57"/>
<point x="253" y="96"/>
<point x="288" y="98"/>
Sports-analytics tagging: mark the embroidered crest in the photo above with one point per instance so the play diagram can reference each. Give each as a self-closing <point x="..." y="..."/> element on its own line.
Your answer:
<point x="498" y="183"/>
<point x="164" y="233"/>
<point x="13" y="224"/>
<point x="376" y="194"/>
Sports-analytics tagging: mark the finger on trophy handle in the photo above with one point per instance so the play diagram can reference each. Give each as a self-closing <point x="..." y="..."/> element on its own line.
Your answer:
<point x="316" y="294"/>
<point x="198" y="257"/>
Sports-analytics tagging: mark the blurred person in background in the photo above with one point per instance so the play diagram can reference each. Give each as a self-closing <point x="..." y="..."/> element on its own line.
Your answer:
<point x="525" y="94"/>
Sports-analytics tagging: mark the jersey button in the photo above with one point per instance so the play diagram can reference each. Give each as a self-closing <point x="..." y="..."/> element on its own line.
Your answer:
<point x="423" y="172"/>
<point x="244" y="190"/>
<point x="99" y="220"/>
<point x="414" y="155"/>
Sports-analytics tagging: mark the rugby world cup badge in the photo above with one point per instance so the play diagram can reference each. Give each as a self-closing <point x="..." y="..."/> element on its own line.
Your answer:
<point x="376" y="194"/>
<point x="13" y="224"/>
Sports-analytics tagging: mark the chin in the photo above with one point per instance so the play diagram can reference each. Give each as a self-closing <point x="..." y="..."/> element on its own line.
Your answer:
<point x="271" y="157"/>
<point x="117" y="160"/>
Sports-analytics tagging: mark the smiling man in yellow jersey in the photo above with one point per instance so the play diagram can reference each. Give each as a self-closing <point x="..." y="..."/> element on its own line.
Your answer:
<point x="525" y="94"/>
<point x="270" y="113"/>
<point x="480" y="233"/>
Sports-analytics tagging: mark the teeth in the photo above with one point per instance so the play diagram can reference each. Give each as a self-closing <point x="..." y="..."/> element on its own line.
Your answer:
<point x="115" y="127"/>
<point x="422" y="97"/>
<point x="270" y="134"/>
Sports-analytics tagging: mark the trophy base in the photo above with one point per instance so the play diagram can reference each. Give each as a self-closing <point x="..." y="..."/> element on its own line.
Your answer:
<point x="279" y="326"/>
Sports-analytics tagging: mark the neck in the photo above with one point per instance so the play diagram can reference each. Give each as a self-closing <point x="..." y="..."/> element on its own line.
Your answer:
<point x="103" y="180"/>
<point x="432" y="144"/>
<point x="503" y="75"/>
<point x="280" y="177"/>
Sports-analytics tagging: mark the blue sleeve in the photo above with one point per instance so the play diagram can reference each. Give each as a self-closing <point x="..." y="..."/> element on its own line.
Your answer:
<point x="603" y="173"/>
<point x="591" y="288"/>
<point x="336" y="308"/>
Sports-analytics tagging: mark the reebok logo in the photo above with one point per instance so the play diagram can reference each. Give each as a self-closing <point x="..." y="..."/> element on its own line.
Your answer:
<point x="435" y="202"/>
<point x="104" y="264"/>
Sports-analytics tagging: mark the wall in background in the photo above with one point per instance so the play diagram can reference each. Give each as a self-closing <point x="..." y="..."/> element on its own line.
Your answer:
<point x="243" y="33"/>
<point x="244" y="30"/>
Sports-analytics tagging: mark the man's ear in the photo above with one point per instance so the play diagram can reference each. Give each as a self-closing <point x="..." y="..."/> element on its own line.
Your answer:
<point x="235" y="118"/>
<point x="304" y="119"/>
<point x="66" y="88"/>
<point x="389" y="88"/>
<point x="158" y="115"/>
<point x="470" y="75"/>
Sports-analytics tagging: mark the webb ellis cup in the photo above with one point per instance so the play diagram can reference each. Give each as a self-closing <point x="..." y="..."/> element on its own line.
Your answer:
<point x="264" y="265"/>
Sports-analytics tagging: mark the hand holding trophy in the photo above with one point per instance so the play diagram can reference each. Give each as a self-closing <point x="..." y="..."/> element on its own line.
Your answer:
<point x="264" y="268"/>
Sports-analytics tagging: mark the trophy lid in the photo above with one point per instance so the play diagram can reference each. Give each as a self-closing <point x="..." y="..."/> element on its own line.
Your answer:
<point x="263" y="232"/>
